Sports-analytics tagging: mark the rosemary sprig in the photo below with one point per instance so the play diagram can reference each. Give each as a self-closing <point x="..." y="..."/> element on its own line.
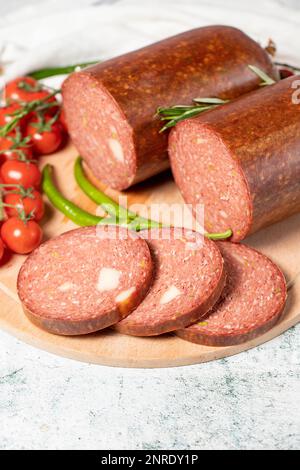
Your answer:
<point x="53" y="71"/>
<point x="178" y="113"/>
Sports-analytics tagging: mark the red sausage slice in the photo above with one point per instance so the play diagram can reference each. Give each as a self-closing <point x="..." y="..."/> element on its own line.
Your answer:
<point x="242" y="160"/>
<point x="250" y="305"/>
<point x="111" y="107"/>
<point x="189" y="278"/>
<point x="84" y="281"/>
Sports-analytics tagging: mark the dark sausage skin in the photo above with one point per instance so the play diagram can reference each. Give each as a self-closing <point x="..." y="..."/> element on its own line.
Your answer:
<point x="111" y="107"/>
<point x="242" y="160"/>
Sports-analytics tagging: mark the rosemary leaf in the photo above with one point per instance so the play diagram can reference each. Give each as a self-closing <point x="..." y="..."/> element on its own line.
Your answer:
<point x="193" y="111"/>
<point x="266" y="80"/>
<point x="179" y="113"/>
<point x="210" y="100"/>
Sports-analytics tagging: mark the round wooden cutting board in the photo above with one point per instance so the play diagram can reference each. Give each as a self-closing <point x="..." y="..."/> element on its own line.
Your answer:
<point x="280" y="242"/>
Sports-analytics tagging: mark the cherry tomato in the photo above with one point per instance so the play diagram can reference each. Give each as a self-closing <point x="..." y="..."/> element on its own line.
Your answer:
<point x="6" y="113"/>
<point x="31" y="204"/>
<point x="6" y="142"/>
<point x="17" y="154"/>
<point x="27" y="89"/>
<point x="51" y="111"/>
<point x="46" y="137"/>
<point x="24" y="89"/>
<point x="1" y="249"/>
<point x="21" y="237"/>
<point x="4" y="147"/>
<point x="21" y="173"/>
<point x="12" y="147"/>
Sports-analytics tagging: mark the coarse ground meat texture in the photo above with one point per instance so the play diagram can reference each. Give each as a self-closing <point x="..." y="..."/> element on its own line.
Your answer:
<point x="84" y="281"/>
<point x="189" y="278"/>
<point x="111" y="108"/>
<point x="241" y="161"/>
<point x="250" y="305"/>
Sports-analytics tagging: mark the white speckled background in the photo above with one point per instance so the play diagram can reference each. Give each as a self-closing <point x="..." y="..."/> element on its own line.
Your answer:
<point x="250" y="401"/>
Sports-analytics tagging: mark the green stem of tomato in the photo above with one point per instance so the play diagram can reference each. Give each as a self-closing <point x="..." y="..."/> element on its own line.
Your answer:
<point x="24" y="111"/>
<point x="3" y="204"/>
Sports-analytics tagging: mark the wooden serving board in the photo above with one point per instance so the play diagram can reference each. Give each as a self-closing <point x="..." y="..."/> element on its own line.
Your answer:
<point x="281" y="242"/>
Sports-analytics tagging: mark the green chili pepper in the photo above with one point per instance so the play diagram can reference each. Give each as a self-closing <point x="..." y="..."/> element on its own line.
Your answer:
<point x="68" y="208"/>
<point x="83" y="218"/>
<point x="108" y="204"/>
<point x="125" y="217"/>
<point x="53" y="71"/>
<point x="219" y="236"/>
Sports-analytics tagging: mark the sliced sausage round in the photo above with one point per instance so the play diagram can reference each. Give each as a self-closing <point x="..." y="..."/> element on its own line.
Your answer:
<point x="189" y="278"/>
<point x="111" y="107"/>
<point x="85" y="280"/>
<point x="242" y="160"/>
<point x="250" y="305"/>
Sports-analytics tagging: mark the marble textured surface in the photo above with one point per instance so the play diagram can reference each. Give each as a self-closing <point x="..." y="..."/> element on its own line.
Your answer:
<point x="250" y="401"/>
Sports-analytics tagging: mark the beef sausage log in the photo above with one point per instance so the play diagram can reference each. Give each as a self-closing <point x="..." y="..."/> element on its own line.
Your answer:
<point x="242" y="160"/>
<point x="250" y="305"/>
<point x="189" y="277"/>
<point x="111" y="107"/>
<point x="85" y="280"/>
